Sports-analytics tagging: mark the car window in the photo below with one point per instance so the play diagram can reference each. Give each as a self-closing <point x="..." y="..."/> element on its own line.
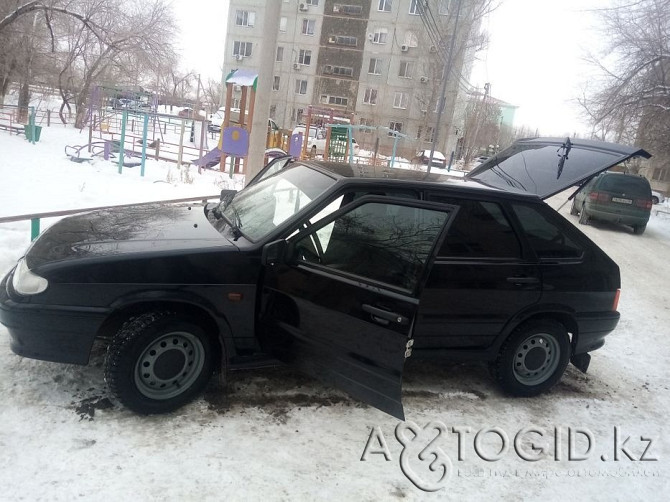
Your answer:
<point x="630" y="185"/>
<point x="261" y="207"/>
<point x="480" y="230"/>
<point x="545" y="236"/>
<point x="384" y="242"/>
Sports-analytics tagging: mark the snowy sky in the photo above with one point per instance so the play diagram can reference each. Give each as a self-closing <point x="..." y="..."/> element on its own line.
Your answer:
<point x="534" y="60"/>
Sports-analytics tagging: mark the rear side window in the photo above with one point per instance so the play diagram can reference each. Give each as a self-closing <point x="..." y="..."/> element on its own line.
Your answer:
<point x="480" y="230"/>
<point x="635" y="186"/>
<point x="544" y="235"/>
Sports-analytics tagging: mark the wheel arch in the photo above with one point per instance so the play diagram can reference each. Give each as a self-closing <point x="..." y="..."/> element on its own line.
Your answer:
<point x="217" y="326"/>
<point x="561" y="316"/>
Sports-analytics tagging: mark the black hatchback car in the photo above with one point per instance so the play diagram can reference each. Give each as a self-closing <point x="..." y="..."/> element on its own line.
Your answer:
<point x="342" y="270"/>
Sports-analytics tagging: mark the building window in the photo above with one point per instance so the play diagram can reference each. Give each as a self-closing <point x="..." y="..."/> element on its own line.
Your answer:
<point x="245" y="18"/>
<point x="414" y="8"/>
<point x="380" y="36"/>
<point x="312" y="2"/>
<point x="405" y="69"/>
<point x="280" y="54"/>
<point x="342" y="71"/>
<point x="343" y="40"/>
<point x="301" y="86"/>
<point x="375" y="66"/>
<point x="275" y="83"/>
<point x="308" y="26"/>
<point x="370" y="96"/>
<point x="349" y="10"/>
<point x="395" y="126"/>
<point x="425" y="133"/>
<point x="334" y="100"/>
<point x="283" y="21"/>
<point x="385" y="5"/>
<point x="305" y="57"/>
<point x="400" y="100"/>
<point x="242" y="49"/>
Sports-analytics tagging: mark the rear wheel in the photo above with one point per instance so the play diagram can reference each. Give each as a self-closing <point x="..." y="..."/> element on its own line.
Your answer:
<point x="654" y="199"/>
<point x="573" y="209"/>
<point x="158" y="362"/>
<point x="583" y="216"/>
<point x="639" y="229"/>
<point x="533" y="358"/>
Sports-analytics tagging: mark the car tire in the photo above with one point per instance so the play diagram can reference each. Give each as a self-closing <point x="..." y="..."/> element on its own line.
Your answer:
<point x="533" y="358"/>
<point x="639" y="229"/>
<point x="573" y="209"/>
<point x="159" y="361"/>
<point x="654" y="199"/>
<point x="584" y="216"/>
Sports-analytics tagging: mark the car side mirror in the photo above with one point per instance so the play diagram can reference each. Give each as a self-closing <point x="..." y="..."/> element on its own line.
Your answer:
<point x="275" y="252"/>
<point x="226" y="196"/>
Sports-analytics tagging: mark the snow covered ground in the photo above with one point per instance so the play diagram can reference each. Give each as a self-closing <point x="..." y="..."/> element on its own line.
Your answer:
<point x="274" y="434"/>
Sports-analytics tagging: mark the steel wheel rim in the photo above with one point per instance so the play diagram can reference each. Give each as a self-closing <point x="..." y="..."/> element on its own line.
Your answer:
<point x="536" y="359"/>
<point x="169" y="365"/>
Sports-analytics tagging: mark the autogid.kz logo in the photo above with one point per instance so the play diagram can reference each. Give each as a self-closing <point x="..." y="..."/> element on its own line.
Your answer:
<point x="425" y="463"/>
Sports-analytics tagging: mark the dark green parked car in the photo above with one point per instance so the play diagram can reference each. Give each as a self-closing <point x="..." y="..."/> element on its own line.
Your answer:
<point x="615" y="197"/>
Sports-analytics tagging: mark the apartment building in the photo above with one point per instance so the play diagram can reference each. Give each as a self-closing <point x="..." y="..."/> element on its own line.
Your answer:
<point x="373" y="62"/>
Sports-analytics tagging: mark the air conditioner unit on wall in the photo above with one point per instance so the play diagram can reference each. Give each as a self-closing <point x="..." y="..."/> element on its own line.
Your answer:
<point x="332" y="40"/>
<point x="296" y="66"/>
<point x="404" y="48"/>
<point x="423" y="80"/>
<point x="239" y="57"/>
<point x="433" y="49"/>
<point x="328" y="69"/>
<point x="303" y="7"/>
<point x="371" y="36"/>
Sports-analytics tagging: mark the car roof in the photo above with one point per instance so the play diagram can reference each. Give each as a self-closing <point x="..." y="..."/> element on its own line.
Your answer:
<point x="408" y="178"/>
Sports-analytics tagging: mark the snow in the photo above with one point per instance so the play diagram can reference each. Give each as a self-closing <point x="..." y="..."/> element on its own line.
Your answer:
<point x="274" y="434"/>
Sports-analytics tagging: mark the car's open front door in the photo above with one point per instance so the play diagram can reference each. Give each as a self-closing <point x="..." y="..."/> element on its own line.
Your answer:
<point x="341" y="305"/>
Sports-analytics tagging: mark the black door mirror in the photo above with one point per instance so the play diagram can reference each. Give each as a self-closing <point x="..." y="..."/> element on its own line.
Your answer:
<point x="274" y="252"/>
<point x="226" y="196"/>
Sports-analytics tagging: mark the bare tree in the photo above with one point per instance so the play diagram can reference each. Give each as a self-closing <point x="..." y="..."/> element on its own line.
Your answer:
<point x="92" y="42"/>
<point x="176" y="85"/>
<point x="439" y="18"/>
<point x="632" y="101"/>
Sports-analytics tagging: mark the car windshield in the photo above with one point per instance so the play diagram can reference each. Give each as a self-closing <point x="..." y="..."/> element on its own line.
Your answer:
<point x="260" y="208"/>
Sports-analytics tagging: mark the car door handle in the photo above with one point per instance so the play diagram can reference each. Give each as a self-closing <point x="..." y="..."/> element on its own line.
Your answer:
<point x="523" y="280"/>
<point x="384" y="315"/>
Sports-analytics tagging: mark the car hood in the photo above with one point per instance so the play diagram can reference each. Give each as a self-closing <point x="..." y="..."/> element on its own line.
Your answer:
<point x="547" y="166"/>
<point x="130" y="230"/>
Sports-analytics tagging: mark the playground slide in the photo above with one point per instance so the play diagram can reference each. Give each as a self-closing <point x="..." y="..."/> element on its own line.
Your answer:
<point x="209" y="159"/>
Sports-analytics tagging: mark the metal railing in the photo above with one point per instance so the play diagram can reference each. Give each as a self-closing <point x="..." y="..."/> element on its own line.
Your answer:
<point x="36" y="217"/>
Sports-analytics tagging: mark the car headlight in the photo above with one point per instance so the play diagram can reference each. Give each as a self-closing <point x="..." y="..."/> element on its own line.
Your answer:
<point x="25" y="282"/>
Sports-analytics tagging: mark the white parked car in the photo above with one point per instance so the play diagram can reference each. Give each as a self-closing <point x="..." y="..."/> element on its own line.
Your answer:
<point x="657" y="197"/>
<point x="316" y="143"/>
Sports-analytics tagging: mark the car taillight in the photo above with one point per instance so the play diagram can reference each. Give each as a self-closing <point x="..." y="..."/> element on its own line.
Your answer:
<point x="643" y="203"/>
<point x="599" y="196"/>
<point x="615" y="303"/>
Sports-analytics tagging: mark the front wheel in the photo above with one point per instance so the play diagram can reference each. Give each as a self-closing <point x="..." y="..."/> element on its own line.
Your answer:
<point x="158" y="362"/>
<point x="533" y="358"/>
